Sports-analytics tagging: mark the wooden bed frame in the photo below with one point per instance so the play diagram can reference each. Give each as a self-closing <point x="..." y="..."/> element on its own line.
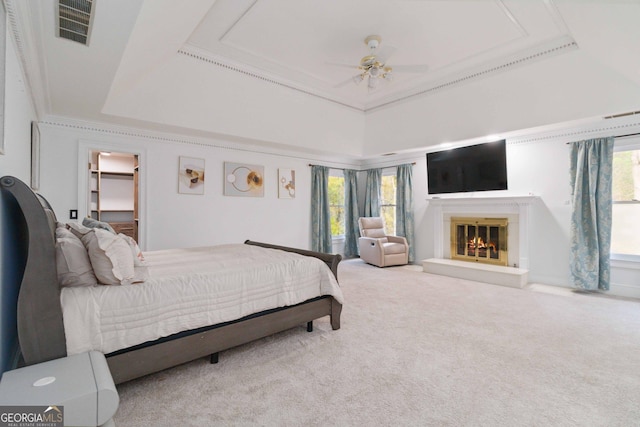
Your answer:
<point x="40" y="326"/>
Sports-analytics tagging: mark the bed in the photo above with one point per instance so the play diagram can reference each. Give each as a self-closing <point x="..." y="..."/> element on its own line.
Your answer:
<point x="41" y="323"/>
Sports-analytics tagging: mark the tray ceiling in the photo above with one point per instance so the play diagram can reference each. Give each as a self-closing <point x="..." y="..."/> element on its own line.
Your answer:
<point x="316" y="47"/>
<point x="279" y="71"/>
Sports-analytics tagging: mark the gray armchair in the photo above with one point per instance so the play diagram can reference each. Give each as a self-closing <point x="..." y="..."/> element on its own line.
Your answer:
<point x="379" y="249"/>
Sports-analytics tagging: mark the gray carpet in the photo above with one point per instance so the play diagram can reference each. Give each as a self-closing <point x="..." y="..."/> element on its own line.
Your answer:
<point x="422" y="350"/>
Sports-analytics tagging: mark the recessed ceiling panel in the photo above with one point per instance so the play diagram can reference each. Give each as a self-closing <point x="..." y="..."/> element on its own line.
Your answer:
<point x="316" y="46"/>
<point x="307" y="36"/>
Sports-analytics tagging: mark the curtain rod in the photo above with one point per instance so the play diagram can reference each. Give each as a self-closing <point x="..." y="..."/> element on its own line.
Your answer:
<point x="364" y="170"/>
<point x="620" y="136"/>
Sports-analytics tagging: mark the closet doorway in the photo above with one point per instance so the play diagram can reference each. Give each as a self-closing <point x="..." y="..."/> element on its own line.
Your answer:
<point x="113" y="190"/>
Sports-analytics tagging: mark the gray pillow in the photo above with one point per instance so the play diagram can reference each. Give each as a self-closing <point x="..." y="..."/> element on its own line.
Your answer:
<point x="94" y="223"/>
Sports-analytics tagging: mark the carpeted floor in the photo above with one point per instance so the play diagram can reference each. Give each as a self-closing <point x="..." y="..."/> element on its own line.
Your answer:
<point x="417" y="349"/>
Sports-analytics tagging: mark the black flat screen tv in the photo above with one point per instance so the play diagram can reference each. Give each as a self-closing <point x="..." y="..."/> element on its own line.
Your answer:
<point x="481" y="167"/>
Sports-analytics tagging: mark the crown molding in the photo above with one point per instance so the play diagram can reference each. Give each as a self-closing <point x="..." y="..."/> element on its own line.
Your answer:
<point x="560" y="133"/>
<point x="599" y="127"/>
<point x="222" y="142"/>
<point x="219" y="61"/>
<point x="28" y="48"/>
<point x="542" y="51"/>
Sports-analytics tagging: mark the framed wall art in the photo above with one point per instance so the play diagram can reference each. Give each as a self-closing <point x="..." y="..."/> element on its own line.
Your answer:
<point x="286" y="183"/>
<point x="243" y="180"/>
<point x="191" y="176"/>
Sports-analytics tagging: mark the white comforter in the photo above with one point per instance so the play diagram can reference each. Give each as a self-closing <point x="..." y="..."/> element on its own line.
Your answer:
<point x="191" y="288"/>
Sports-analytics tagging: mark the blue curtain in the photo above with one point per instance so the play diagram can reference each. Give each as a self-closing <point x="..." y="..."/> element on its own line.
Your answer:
<point x="351" y="214"/>
<point x="404" y="206"/>
<point x="590" y="234"/>
<point x="372" y="193"/>
<point x="320" y="214"/>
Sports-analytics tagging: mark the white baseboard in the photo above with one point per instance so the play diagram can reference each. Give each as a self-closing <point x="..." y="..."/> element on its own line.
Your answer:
<point x="622" y="290"/>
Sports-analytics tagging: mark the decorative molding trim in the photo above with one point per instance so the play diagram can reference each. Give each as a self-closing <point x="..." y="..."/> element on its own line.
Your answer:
<point x="240" y="18"/>
<point x="233" y="67"/>
<point x="480" y="200"/>
<point x="512" y="18"/>
<point x="581" y="133"/>
<point x="470" y="75"/>
<point x="10" y="8"/>
<point x="27" y="52"/>
<point x="110" y="130"/>
<point x="558" y="46"/>
<point x="552" y="8"/>
<point x="136" y="133"/>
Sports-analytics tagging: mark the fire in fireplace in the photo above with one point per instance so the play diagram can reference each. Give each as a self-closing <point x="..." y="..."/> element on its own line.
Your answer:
<point x="479" y="240"/>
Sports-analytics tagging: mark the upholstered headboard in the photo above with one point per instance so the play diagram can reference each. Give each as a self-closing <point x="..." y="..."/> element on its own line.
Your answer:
<point x="40" y="327"/>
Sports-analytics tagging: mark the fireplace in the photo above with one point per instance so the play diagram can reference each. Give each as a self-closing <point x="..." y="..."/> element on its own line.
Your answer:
<point x="479" y="240"/>
<point x="516" y="210"/>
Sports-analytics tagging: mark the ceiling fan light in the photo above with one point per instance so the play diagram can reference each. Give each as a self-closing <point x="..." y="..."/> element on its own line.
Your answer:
<point x="358" y="78"/>
<point x="373" y="82"/>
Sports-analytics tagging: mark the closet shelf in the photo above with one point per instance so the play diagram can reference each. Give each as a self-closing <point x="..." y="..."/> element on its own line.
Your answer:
<point x="116" y="173"/>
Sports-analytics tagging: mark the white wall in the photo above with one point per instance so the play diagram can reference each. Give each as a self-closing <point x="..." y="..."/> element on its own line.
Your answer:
<point x="170" y="219"/>
<point x="537" y="165"/>
<point x="239" y="105"/>
<point x="18" y="114"/>
<point x="542" y="169"/>
<point x="475" y="108"/>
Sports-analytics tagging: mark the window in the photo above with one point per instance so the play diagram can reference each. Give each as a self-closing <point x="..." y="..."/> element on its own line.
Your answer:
<point x="388" y="201"/>
<point x="336" y="202"/>
<point x="625" y="233"/>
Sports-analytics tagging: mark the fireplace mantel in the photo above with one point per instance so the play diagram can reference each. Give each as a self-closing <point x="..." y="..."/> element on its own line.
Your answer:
<point x="502" y="200"/>
<point x="516" y="207"/>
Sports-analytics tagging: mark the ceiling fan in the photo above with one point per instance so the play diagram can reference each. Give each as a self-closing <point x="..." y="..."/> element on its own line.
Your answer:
<point x="373" y="67"/>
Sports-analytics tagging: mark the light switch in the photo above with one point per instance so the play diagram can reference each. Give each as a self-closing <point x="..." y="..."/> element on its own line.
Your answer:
<point x="73" y="214"/>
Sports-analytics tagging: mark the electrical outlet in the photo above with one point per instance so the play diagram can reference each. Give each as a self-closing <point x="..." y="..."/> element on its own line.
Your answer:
<point x="73" y="214"/>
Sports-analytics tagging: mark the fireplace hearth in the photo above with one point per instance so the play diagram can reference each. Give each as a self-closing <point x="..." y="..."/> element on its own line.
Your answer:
<point x="481" y="240"/>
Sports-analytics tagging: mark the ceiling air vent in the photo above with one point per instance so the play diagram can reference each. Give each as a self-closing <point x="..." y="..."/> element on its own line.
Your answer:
<point x="74" y="20"/>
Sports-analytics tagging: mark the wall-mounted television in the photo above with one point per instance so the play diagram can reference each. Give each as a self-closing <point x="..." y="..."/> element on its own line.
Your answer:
<point x="481" y="167"/>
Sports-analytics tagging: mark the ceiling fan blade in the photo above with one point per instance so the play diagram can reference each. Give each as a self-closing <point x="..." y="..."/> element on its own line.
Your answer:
<point x="384" y="53"/>
<point x="346" y="82"/>
<point x="339" y="64"/>
<point x="418" y="68"/>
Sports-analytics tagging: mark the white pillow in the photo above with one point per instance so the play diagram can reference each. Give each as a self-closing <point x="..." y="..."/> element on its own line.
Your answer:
<point x="141" y="274"/>
<point x="138" y="258"/>
<point x="62" y="231"/>
<point x="72" y="262"/>
<point x="110" y="257"/>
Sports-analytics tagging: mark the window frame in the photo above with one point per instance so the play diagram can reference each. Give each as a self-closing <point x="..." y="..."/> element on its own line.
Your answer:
<point x="392" y="171"/>
<point x="622" y="259"/>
